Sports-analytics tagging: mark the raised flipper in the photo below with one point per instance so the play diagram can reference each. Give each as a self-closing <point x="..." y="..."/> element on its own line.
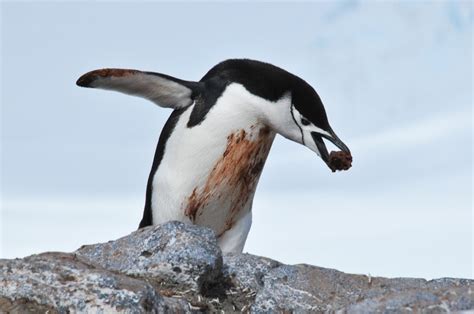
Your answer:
<point x="163" y="90"/>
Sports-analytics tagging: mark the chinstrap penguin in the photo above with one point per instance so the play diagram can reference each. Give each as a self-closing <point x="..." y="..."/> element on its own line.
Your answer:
<point x="213" y="147"/>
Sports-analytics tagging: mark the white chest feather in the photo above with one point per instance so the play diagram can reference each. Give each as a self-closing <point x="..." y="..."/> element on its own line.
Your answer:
<point x="209" y="173"/>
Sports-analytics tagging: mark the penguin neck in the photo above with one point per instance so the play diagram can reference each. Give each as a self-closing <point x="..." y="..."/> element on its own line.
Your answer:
<point x="236" y="117"/>
<point x="234" y="136"/>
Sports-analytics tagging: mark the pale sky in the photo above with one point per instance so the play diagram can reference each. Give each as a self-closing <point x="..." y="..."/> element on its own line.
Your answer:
<point x="395" y="78"/>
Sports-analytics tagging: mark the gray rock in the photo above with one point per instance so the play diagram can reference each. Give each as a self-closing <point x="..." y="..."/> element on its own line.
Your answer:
<point x="173" y="254"/>
<point x="60" y="283"/>
<point x="177" y="267"/>
<point x="246" y="271"/>
<point x="303" y="288"/>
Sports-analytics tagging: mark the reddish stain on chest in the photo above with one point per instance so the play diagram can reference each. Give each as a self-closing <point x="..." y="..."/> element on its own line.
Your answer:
<point x="235" y="174"/>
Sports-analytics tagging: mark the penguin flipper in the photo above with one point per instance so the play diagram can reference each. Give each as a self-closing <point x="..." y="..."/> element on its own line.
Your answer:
<point x="163" y="90"/>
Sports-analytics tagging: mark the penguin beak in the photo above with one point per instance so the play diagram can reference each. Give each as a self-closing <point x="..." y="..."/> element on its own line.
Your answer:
<point x="323" y="151"/>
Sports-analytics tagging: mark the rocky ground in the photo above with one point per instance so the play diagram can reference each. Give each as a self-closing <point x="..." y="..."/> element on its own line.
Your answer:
<point x="179" y="268"/>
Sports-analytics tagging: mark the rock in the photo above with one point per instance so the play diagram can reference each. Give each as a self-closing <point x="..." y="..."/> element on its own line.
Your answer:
<point x="340" y="160"/>
<point x="246" y="271"/>
<point x="59" y="282"/>
<point x="178" y="267"/>
<point x="172" y="254"/>
<point x="310" y="288"/>
<point x="244" y="274"/>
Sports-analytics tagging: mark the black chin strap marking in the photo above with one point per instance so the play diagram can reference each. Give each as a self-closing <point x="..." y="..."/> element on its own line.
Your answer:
<point x="299" y="127"/>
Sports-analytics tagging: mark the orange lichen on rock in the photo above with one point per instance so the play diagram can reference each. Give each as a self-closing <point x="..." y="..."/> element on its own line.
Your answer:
<point x="235" y="174"/>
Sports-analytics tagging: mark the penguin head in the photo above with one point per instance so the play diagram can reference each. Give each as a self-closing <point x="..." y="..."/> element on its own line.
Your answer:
<point x="291" y="107"/>
<point x="307" y="123"/>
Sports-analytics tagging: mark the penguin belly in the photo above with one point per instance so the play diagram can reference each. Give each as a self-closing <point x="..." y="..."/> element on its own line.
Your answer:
<point x="209" y="173"/>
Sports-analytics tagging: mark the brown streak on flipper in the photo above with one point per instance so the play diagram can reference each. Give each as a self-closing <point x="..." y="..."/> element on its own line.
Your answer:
<point x="86" y="79"/>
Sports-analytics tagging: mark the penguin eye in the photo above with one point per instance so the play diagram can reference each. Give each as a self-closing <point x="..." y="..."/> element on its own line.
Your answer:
<point x="304" y="121"/>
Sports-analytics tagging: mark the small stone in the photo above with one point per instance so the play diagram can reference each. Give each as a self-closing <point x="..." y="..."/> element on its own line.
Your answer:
<point x="340" y="161"/>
